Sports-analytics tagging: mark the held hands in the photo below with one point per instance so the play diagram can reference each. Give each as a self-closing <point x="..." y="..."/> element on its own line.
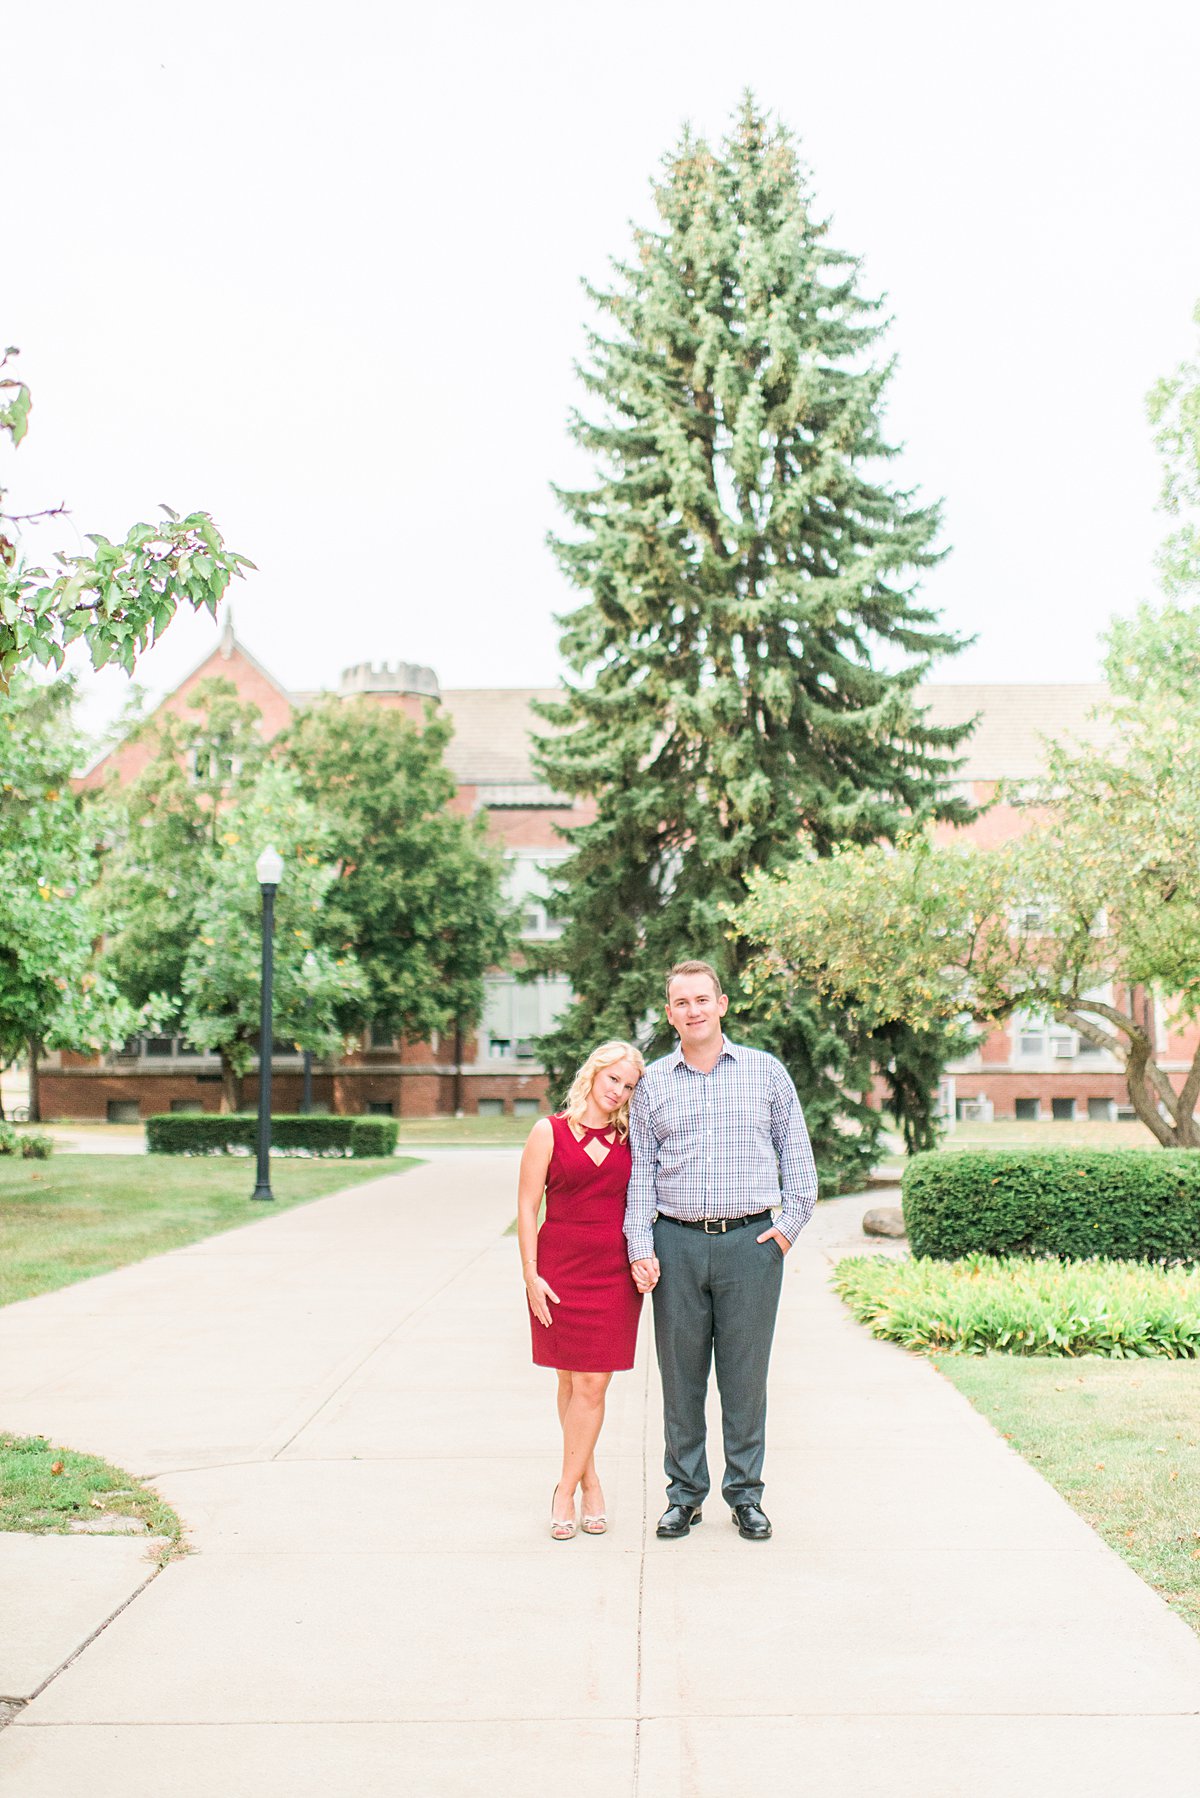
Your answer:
<point x="537" y="1291"/>
<point x="645" y="1273"/>
<point x="781" y="1239"/>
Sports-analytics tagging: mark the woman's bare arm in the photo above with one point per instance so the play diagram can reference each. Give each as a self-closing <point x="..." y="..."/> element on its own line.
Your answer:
<point x="531" y="1185"/>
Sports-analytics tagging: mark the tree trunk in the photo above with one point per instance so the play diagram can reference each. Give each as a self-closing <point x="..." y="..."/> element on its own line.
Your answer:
<point x="35" y="1086"/>
<point x="1138" y="1083"/>
<point x="231" y="1086"/>
<point x="458" y="1073"/>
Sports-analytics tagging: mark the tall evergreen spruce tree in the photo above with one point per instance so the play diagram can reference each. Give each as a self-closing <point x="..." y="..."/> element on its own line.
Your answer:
<point x="744" y="660"/>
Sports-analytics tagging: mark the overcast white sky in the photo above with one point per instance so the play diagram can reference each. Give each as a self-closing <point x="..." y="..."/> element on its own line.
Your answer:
<point x="315" y="269"/>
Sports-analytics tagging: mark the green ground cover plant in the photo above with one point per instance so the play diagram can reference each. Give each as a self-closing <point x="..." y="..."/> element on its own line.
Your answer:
<point x="1120" y="1440"/>
<point x="1128" y="1204"/>
<point x="1026" y="1307"/>
<point x="45" y="1488"/>
<point x="80" y="1215"/>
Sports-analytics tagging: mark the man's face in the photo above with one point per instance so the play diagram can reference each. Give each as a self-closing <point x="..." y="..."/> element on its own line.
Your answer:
<point x="694" y="1011"/>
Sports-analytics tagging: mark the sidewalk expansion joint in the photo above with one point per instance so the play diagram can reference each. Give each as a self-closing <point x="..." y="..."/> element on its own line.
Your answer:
<point x="87" y="1642"/>
<point x="641" y="1598"/>
<point x="377" y="1346"/>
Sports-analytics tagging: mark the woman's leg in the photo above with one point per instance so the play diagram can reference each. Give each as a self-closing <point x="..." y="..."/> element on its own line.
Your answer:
<point x="581" y="1426"/>
<point x="564" y="1502"/>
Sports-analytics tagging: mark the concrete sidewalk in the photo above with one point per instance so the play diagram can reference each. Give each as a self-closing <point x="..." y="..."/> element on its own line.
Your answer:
<point x="339" y="1401"/>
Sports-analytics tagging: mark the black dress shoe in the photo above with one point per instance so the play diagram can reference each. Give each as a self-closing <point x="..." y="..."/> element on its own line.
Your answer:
<point x="752" y="1522"/>
<point x="677" y="1520"/>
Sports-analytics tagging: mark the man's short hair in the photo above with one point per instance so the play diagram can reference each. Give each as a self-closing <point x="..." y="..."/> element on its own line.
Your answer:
<point x="694" y="967"/>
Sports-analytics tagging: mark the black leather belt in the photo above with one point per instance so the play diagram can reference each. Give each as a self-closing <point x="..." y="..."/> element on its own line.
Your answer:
<point x="715" y="1226"/>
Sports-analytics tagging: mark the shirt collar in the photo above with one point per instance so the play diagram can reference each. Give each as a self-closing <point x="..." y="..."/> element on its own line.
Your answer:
<point x="677" y="1059"/>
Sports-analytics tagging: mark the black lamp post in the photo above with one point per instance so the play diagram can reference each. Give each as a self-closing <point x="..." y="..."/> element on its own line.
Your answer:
<point x="269" y="869"/>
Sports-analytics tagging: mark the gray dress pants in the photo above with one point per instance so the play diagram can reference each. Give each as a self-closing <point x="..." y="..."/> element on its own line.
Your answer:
<point x="716" y="1297"/>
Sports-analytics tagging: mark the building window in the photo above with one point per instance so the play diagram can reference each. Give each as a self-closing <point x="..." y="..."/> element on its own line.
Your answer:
<point x="527" y="1108"/>
<point x="1029" y="919"/>
<point x="380" y="1108"/>
<point x="186" y="1106"/>
<point x="123" y="1111"/>
<point x="1038" y="1041"/>
<point x="1063" y="1110"/>
<point x="159" y="1047"/>
<point x="1102" y="1111"/>
<point x="516" y="1013"/>
<point x="490" y="1108"/>
<point x="1029" y="1110"/>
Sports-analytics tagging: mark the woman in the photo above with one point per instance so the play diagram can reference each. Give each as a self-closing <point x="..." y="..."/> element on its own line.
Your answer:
<point x="583" y="1304"/>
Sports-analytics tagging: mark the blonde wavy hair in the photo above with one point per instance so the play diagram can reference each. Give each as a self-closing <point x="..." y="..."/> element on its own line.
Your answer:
<point x="581" y="1086"/>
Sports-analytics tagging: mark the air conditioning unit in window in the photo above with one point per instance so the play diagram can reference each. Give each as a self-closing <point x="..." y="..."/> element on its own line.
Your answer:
<point x="975" y="1111"/>
<point x="1064" y="1048"/>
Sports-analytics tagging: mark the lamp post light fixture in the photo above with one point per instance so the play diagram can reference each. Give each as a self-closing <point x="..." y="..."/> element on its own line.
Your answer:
<point x="269" y="869"/>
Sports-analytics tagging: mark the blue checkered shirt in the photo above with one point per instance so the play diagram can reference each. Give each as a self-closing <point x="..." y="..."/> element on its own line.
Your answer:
<point x="723" y="1144"/>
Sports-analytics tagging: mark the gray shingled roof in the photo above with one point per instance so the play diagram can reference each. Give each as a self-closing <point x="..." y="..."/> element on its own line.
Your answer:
<point x="491" y="732"/>
<point x="491" y="726"/>
<point x="1013" y="722"/>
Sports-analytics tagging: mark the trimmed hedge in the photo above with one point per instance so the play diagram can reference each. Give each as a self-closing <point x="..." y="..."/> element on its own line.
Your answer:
<point x="1122" y="1204"/>
<point x="193" y="1133"/>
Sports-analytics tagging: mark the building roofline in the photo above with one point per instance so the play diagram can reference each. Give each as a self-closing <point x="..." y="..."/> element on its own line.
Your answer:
<point x="229" y="642"/>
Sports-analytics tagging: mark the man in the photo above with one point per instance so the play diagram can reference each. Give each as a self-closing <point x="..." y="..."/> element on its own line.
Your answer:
<point x="719" y="1142"/>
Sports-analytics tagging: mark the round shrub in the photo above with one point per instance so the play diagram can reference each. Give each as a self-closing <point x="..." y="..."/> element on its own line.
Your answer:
<point x="1123" y="1204"/>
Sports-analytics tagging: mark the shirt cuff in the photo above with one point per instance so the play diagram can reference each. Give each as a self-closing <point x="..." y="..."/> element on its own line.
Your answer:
<point x="790" y="1222"/>
<point x="641" y="1248"/>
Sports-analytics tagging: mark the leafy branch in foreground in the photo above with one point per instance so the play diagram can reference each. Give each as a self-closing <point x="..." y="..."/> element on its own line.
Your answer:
<point x="119" y="598"/>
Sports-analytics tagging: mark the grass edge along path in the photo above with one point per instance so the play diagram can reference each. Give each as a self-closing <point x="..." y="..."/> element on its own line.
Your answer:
<point x="1118" y="1439"/>
<point x="76" y="1216"/>
<point x="45" y="1488"/>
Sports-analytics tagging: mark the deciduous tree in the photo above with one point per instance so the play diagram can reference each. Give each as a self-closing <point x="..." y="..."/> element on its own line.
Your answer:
<point x="1092" y="918"/>
<point x="419" y="888"/>
<point x="52" y="994"/>
<point x="317" y="980"/>
<point x="162" y="829"/>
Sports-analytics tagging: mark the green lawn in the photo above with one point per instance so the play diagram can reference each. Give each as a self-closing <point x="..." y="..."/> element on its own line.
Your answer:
<point x="76" y="1215"/>
<point x="1119" y="1439"/>
<point x="1006" y="1133"/>
<point x="44" y="1488"/>
<point x="489" y="1133"/>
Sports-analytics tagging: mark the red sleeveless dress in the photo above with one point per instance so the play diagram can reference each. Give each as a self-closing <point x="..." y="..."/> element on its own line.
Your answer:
<point x="582" y="1255"/>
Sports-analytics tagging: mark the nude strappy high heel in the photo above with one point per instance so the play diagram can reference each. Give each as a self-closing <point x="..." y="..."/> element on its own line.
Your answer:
<point x="594" y="1526"/>
<point x="561" y="1529"/>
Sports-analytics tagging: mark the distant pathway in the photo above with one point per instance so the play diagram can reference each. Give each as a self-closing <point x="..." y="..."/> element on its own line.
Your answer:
<point x="338" y="1399"/>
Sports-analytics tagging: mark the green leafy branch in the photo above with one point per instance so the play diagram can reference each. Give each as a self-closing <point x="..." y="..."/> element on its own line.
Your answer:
<point x="119" y="598"/>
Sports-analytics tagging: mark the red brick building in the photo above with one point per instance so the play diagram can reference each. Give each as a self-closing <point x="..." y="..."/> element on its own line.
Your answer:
<point x="1027" y="1070"/>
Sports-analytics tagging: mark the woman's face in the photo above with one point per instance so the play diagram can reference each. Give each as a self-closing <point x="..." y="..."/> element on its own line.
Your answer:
<point x="614" y="1084"/>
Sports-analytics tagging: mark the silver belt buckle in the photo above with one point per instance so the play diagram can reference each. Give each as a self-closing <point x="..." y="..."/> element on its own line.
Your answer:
<point x="717" y="1223"/>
